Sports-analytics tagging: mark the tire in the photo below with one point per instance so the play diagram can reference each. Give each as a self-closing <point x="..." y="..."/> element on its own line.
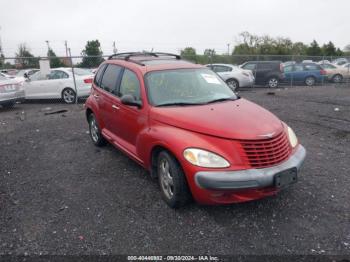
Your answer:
<point x="8" y="105"/>
<point x="95" y="133"/>
<point x="273" y="82"/>
<point x="172" y="181"/>
<point x="337" y="78"/>
<point x="232" y="83"/>
<point x="310" y="81"/>
<point x="68" y="96"/>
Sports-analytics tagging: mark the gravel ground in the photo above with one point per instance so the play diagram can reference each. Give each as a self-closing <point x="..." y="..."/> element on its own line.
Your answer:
<point x="61" y="195"/>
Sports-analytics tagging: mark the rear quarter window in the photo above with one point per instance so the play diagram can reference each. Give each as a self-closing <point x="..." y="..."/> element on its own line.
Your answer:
<point x="312" y="67"/>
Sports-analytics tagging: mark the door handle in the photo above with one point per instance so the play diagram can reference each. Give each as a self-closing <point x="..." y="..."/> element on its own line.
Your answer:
<point x="115" y="107"/>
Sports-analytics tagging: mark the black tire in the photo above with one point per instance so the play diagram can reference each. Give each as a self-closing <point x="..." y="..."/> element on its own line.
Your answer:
<point x="8" y="105"/>
<point x="68" y="95"/>
<point x="337" y="78"/>
<point x="273" y="82"/>
<point x="310" y="81"/>
<point x="232" y="83"/>
<point x="177" y="193"/>
<point x="95" y="133"/>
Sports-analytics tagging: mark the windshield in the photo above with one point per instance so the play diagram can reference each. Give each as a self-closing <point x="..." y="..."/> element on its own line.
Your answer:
<point x="186" y="86"/>
<point x="80" y="71"/>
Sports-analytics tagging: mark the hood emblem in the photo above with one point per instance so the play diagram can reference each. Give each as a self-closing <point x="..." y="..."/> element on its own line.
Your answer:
<point x="269" y="135"/>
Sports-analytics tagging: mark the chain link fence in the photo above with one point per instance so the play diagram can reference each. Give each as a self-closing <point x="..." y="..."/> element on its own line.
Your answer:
<point x="69" y="78"/>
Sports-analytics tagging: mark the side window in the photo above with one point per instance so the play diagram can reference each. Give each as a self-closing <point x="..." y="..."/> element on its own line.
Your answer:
<point x="288" y="69"/>
<point x="311" y="67"/>
<point x="130" y="85"/>
<point x="249" y="66"/>
<point x="219" y="69"/>
<point x="110" y="78"/>
<point x="298" y="68"/>
<point x="57" y="74"/>
<point x="98" y="75"/>
<point x="37" y="76"/>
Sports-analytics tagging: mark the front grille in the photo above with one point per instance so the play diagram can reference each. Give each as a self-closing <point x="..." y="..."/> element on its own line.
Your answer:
<point x="266" y="152"/>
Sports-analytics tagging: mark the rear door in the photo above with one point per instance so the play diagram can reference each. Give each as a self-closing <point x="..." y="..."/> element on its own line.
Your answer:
<point x="107" y="100"/>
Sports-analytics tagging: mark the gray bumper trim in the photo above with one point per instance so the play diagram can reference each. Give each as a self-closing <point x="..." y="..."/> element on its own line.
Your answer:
<point x="250" y="178"/>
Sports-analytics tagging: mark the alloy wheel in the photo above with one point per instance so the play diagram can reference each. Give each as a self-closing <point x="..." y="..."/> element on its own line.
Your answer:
<point x="166" y="179"/>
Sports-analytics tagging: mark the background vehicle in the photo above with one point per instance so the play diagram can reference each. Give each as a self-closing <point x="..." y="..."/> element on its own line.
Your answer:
<point x="189" y="129"/>
<point x="336" y="74"/>
<point x="265" y="72"/>
<point x="234" y="76"/>
<point x="308" y="73"/>
<point x="340" y="61"/>
<point x="347" y="65"/>
<point x="27" y="72"/>
<point x="11" y="91"/>
<point x="58" y="84"/>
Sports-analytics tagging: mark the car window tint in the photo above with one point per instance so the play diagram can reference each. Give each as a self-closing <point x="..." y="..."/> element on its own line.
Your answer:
<point x="219" y="68"/>
<point x="249" y="66"/>
<point x="110" y="78"/>
<point x="288" y="68"/>
<point x="130" y="85"/>
<point x="98" y="75"/>
<point x="57" y="74"/>
<point x="38" y="76"/>
<point x="311" y="67"/>
<point x="298" y="68"/>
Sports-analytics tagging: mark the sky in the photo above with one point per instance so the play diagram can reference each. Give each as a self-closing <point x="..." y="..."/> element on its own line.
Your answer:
<point x="165" y="25"/>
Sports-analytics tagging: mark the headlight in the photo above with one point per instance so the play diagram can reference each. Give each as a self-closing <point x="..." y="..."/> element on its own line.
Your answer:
<point x="292" y="137"/>
<point x="202" y="158"/>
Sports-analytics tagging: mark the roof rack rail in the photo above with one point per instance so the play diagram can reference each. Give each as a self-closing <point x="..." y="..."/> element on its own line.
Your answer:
<point x="126" y="56"/>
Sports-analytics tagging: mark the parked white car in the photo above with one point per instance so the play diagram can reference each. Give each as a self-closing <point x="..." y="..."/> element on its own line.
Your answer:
<point x="234" y="76"/>
<point x="59" y="84"/>
<point x="11" y="91"/>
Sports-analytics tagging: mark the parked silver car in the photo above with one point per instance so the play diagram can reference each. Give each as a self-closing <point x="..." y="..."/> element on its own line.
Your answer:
<point x="234" y="76"/>
<point x="11" y="91"/>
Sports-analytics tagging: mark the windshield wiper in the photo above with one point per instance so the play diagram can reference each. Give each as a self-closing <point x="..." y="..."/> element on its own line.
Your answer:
<point x="221" y="100"/>
<point x="178" y="104"/>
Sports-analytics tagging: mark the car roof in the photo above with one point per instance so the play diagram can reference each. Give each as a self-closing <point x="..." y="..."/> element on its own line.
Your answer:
<point x="154" y="64"/>
<point x="218" y="64"/>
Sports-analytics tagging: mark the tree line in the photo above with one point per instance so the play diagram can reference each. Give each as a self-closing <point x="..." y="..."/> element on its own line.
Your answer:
<point x="248" y="47"/>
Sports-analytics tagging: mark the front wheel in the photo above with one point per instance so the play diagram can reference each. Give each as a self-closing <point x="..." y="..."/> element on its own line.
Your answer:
<point x="233" y="84"/>
<point x="337" y="78"/>
<point x="310" y="81"/>
<point x="68" y="96"/>
<point x="273" y="82"/>
<point x="172" y="181"/>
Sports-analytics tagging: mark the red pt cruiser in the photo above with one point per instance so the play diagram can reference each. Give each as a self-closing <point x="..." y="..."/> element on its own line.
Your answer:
<point x="180" y="121"/>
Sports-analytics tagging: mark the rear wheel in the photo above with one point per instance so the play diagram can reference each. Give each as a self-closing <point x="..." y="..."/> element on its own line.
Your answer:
<point x="232" y="83"/>
<point x="273" y="82"/>
<point x="337" y="78"/>
<point x="310" y="81"/>
<point x="172" y="181"/>
<point x="68" y="96"/>
<point x="95" y="132"/>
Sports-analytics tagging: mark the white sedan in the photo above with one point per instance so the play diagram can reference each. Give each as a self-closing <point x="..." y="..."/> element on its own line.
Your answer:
<point x="59" y="84"/>
<point x="234" y="76"/>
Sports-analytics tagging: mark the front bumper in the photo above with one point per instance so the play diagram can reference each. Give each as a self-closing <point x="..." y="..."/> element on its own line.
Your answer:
<point x="250" y="178"/>
<point x="247" y="82"/>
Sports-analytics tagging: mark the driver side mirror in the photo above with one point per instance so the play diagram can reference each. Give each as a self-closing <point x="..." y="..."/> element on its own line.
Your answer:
<point x="130" y="101"/>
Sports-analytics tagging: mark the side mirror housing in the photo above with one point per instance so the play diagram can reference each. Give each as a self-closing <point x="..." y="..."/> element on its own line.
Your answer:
<point x="130" y="101"/>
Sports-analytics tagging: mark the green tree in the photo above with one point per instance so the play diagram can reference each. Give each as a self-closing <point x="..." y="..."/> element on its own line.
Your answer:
<point x="24" y="59"/>
<point x="314" y="49"/>
<point x="189" y="53"/>
<point x="54" y="60"/>
<point x="92" y="54"/>
<point x="299" y="48"/>
<point x="329" y="49"/>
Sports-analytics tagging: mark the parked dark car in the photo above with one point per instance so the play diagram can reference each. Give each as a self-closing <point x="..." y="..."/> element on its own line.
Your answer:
<point x="266" y="72"/>
<point x="307" y="73"/>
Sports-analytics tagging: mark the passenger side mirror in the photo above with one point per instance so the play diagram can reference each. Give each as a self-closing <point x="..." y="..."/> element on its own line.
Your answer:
<point x="130" y="101"/>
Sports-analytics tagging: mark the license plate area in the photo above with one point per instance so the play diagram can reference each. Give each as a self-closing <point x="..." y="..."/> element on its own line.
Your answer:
<point x="286" y="178"/>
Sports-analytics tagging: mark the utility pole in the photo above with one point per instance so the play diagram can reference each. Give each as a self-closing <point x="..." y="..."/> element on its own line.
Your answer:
<point x="1" y="53"/>
<point x="115" y="50"/>
<point x="66" y="45"/>
<point x="228" y="49"/>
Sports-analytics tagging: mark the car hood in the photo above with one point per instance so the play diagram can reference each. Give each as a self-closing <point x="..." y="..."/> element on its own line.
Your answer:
<point x="239" y="119"/>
